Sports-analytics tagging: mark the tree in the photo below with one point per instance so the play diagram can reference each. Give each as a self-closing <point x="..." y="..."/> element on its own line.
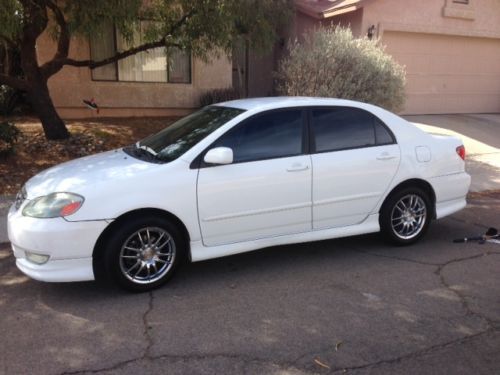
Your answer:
<point x="331" y="62"/>
<point x="204" y="27"/>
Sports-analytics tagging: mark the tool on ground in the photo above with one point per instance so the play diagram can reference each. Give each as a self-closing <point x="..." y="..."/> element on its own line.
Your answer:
<point x="491" y="235"/>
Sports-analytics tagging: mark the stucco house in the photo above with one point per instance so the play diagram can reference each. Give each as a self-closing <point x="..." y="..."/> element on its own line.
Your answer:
<point x="152" y="83"/>
<point x="451" y="50"/>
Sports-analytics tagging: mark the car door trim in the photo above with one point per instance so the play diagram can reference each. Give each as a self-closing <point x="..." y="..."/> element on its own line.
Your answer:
<point x="257" y="212"/>
<point x="346" y="199"/>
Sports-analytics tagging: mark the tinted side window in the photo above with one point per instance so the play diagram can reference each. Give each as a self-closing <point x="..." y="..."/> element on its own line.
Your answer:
<point x="266" y="136"/>
<point x="382" y="134"/>
<point x="343" y="128"/>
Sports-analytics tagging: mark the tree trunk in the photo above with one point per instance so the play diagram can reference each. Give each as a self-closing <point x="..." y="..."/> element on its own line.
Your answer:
<point x="53" y="125"/>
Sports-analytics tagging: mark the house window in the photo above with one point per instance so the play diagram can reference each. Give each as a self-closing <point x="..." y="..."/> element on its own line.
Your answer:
<point x="154" y="65"/>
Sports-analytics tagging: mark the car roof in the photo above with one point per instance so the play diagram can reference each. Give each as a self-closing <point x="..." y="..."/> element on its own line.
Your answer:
<point x="288" y="101"/>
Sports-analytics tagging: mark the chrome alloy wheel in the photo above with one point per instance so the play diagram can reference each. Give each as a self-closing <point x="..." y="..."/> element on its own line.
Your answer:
<point x="408" y="216"/>
<point x="147" y="255"/>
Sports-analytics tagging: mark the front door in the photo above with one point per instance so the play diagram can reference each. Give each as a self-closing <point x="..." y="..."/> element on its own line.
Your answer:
<point x="266" y="191"/>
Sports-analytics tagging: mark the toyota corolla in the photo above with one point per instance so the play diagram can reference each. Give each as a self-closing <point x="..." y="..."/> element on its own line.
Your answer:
<point x="231" y="178"/>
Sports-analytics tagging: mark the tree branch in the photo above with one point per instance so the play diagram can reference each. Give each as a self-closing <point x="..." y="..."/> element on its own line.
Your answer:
<point x="7" y="40"/>
<point x="15" y="83"/>
<point x="56" y="63"/>
<point x="92" y="64"/>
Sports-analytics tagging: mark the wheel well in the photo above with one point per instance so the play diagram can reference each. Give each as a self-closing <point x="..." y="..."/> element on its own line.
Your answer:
<point x="101" y="241"/>
<point x="415" y="182"/>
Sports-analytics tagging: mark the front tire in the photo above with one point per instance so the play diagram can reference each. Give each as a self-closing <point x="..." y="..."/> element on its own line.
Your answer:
<point x="143" y="253"/>
<point x="405" y="216"/>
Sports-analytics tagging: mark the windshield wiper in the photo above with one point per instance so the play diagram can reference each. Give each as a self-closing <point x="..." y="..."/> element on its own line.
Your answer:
<point x="143" y="153"/>
<point x="146" y="148"/>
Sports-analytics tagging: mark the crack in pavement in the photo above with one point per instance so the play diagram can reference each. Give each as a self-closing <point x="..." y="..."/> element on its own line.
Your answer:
<point x="293" y="364"/>
<point x="357" y="250"/>
<point x="147" y="326"/>
<point x="246" y="360"/>
<point x="463" y="299"/>
<point x="144" y="356"/>
<point x="438" y="272"/>
<point x="417" y="353"/>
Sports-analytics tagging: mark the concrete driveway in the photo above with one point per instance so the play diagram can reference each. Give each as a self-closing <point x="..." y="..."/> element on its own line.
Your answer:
<point x="352" y="305"/>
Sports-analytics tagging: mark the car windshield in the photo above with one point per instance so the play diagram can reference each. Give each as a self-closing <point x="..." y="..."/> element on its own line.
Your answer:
<point x="175" y="140"/>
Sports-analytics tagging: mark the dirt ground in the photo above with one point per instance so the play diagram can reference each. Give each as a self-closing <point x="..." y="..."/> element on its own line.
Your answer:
<point x="33" y="153"/>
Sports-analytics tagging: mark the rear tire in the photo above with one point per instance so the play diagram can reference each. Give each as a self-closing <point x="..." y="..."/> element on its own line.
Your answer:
<point x="143" y="253"/>
<point x="405" y="216"/>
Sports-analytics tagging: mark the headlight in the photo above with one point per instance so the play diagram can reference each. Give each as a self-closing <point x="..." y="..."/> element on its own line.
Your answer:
<point x="54" y="205"/>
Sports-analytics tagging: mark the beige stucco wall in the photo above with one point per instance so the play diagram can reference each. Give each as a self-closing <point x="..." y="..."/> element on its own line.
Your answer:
<point x="71" y="85"/>
<point x="451" y="52"/>
<point x="480" y="17"/>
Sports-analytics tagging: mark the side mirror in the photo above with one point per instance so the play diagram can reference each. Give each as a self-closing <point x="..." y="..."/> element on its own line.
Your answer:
<point x="219" y="155"/>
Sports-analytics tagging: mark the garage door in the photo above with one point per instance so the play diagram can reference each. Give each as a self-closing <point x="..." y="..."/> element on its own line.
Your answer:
<point x="448" y="74"/>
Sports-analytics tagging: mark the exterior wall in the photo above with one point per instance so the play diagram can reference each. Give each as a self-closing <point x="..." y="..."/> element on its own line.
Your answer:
<point x="481" y="18"/>
<point x="451" y="52"/>
<point x="71" y="85"/>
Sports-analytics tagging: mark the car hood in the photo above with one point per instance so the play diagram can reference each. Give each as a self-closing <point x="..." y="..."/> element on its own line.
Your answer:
<point x="80" y="175"/>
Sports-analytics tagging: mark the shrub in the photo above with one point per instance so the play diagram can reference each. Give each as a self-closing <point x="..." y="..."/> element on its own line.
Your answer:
<point x="9" y="134"/>
<point x="218" y="95"/>
<point x="330" y="62"/>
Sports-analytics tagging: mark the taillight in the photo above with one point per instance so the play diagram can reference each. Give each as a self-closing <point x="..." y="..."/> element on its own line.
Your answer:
<point x="461" y="151"/>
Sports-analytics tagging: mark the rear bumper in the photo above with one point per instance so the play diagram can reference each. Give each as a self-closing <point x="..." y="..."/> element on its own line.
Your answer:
<point x="451" y="191"/>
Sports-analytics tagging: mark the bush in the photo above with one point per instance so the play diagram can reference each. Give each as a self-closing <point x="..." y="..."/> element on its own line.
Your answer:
<point x="9" y="135"/>
<point x="218" y="95"/>
<point x="330" y="62"/>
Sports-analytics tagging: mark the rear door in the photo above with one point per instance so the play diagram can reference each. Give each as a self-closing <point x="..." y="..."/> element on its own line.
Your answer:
<point x="355" y="157"/>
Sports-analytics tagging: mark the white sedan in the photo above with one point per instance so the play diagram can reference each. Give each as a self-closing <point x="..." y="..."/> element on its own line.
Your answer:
<point x="235" y="177"/>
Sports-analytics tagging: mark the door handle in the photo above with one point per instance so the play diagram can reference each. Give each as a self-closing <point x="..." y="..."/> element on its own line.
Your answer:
<point x="385" y="156"/>
<point x="297" y="167"/>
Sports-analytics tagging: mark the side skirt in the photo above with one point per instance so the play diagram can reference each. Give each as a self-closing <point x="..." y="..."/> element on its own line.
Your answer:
<point x="200" y="252"/>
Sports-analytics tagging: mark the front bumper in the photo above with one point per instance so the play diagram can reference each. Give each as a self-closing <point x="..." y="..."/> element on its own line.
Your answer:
<point x="69" y="246"/>
<point x="62" y="270"/>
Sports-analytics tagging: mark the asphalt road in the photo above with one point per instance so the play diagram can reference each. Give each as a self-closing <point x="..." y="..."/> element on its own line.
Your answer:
<point x="353" y="305"/>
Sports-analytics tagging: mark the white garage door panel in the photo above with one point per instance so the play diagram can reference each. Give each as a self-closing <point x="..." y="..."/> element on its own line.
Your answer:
<point x="447" y="74"/>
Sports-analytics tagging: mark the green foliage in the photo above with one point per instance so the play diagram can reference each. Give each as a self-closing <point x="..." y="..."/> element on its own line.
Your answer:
<point x="330" y="62"/>
<point x="9" y="135"/>
<point x="210" y="24"/>
<point x="218" y="96"/>
<point x="10" y="18"/>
